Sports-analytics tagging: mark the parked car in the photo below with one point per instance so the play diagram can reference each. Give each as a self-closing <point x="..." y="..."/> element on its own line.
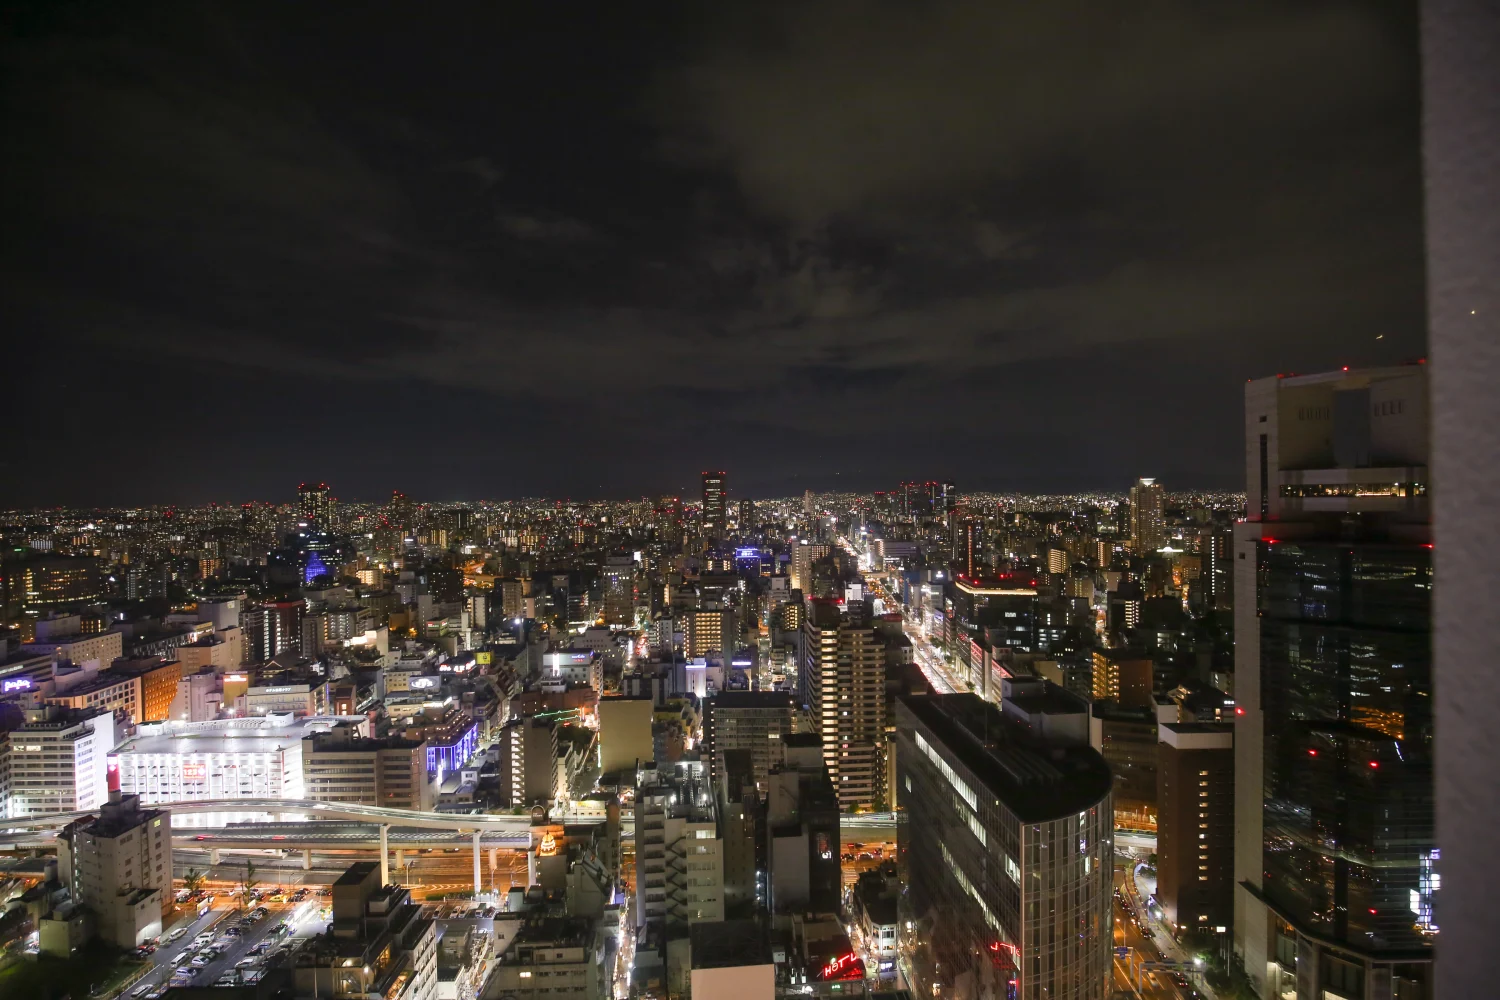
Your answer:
<point x="176" y="933"/>
<point x="182" y="956"/>
<point x="200" y="961"/>
<point x="141" y="990"/>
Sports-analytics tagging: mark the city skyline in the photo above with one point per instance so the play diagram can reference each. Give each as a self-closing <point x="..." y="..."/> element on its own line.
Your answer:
<point x="520" y="259"/>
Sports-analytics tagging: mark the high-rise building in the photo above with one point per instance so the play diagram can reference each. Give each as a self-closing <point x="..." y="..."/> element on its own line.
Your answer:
<point x="315" y="505"/>
<point x="843" y="686"/>
<point x="272" y="628"/>
<point x="804" y="554"/>
<point x="756" y="722"/>
<point x="119" y="865"/>
<point x="1006" y="841"/>
<point x="528" y="762"/>
<point x="1195" y="826"/>
<point x="709" y="631"/>
<point x="1336" y="864"/>
<point x="619" y="590"/>
<point x="1147" y="528"/>
<point x="715" y="504"/>
<point x="679" y="859"/>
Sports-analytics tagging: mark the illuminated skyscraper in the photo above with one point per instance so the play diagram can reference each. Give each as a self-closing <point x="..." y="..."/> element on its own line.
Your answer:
<point x="1336" y="864"/>
<point x="843" y="685"/>
<point x="1147" y="532"/>
<point x="715" y="504"/>
<point x="1006" y="845"/>
<point x="315" y="505"/>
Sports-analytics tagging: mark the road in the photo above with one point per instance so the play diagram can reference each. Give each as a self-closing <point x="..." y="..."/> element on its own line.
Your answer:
<point x="924" y="653"/>
<point x="1147" y="943"/>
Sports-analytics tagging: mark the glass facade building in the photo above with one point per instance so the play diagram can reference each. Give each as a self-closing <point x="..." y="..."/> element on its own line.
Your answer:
<point x="1336" y="862"/>
<point x="1006" y="845"/>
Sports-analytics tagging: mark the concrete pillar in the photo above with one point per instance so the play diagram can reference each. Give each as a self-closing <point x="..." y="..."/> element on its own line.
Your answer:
<point x="213" y="855"/>
<point x="307" y="860"/>
<point x="400" y="858"/>
<point x="494" y="852"/>
<point x="385" y="860"/>
<point x="531" y="873"/>
<point x="477" y="884"/>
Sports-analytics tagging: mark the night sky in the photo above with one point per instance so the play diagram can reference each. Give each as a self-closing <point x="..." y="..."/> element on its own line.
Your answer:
<point x="498" y="249"/>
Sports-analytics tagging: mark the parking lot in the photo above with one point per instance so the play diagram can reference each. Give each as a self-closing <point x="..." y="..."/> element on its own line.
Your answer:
<point x="230" y="944"/>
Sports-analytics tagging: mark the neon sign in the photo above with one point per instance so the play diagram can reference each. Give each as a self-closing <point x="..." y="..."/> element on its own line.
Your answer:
<point x="15" y="684"/>
<point x="193" y="772"/>
<point x="846" y="966"/>
<point x="548" y="847"/>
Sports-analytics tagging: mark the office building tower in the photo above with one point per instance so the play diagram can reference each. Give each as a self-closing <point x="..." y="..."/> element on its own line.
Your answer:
<point x="756" y="722"/>
<point x="119" y="864"/>
<point x="1147" y="528"/>
<point x="715" y="504"/>
<point x="1006" y="842"/>
<point x="679" y="855"/>
<point x="843" y="686"/>
<point x="745" y="516"/>
<point x="1195" y="826"/>
<point x="57" y="761"/>
<point x="619" y="590"/>
<point x="315" y="505"/>
<point x="1336" y="864"/>
<point x="341" y="766"/>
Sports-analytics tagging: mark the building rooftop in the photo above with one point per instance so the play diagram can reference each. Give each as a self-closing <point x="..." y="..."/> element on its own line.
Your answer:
<point x="266" y="734"/>
<point x="1036" y="781"/>
<point x="751" y="699"/>
<point x="356" y="874"/>
<point x="727" y="944"/>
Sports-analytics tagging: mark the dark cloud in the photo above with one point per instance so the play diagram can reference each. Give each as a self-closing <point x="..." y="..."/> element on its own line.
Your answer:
<point x="473" y="251"/>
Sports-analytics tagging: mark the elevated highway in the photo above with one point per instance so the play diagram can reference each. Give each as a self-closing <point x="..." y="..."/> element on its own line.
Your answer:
<point x="510" y="832"/>
<point x="304" y="809"/>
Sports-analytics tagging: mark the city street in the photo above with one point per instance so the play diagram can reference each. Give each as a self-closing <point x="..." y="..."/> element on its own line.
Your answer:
<point x="1147" y="942"/>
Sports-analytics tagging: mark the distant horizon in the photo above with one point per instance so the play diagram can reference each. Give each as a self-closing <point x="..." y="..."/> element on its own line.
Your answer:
<point x="686" y="498"/>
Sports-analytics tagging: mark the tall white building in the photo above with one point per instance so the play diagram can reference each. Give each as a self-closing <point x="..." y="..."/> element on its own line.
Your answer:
<point x="679" y="853"/>
<point x="120" y="866"/>
<point x="57" y="762"/>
